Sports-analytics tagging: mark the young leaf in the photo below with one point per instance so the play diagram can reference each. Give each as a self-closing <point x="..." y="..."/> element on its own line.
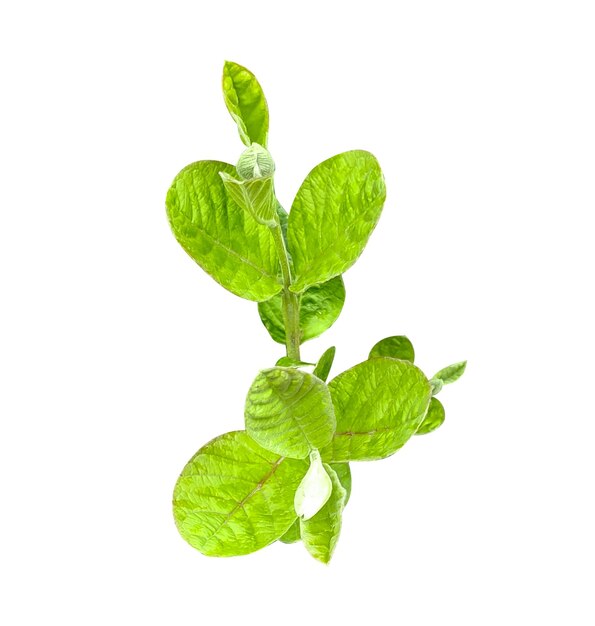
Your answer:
<point x="233" y="497"/>
<point x="314" y="490"/>
<point x="451" y="373"/>
<point x="256" y="196"/>
<point x="246" y="103"/>
<point x="287" y="361"/>
<point x="320" y="307"/>
<point x="219" y="235"/>
<point x="323" y="367"/>
<point x="397" y="347"/>
<point x="378" y="404"/>
<point x="344" y="475"/>
<point x="433" y="419"/>
<point x="289" y="412"/>
<point x="321" y="532"/>
<point x="333" y="215"/>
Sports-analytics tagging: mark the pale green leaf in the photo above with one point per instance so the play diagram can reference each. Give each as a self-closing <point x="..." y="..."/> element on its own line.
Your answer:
<point x="323" y="367"/>
<point x="321" y="532"/>
<point x="378" y="404"/>
<point x="397" y="347"/>
<point x="289" y="412"/>
<point x="314" y="490"/>
<point x="320" y="307"/>
<point x="436" y="384"/>
<point x="233" y="497"/>
<point x="255" y="162"/>
<point x="219" y="235"/>
<point x="433" y="419"/>
<point x="287" y="361"/>
<point x="246" y="103"/>
<point x="344" y="474"/>
<point x="451" y="373"/>
<point x="333" y="215"/>
<point x="257" y="196"/>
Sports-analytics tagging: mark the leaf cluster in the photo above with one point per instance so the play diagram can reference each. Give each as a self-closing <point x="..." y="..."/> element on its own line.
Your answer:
<point x="286" y="476"/>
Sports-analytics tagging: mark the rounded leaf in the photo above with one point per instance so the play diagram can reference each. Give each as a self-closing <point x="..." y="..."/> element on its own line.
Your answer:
<point x="233" y="497"/>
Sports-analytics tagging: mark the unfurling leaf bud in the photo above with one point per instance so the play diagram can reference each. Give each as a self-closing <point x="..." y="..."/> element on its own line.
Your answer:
<point x="255" y="162"/>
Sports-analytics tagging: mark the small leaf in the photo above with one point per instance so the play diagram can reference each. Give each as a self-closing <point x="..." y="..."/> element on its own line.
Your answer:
<point x="323" y="367"/>
<point x="233" y="497"/>
<point x="287" y="361"/>
<point x="293" y="534"/>
<point x="320" y="533"/>
<point x="289" y="412"/>
<point x="320" y="307"/>
<point x="246" y="103"/>
<point x="451" y="373"/>
<point x="378" y="404"/>
<point x="433" y="419"/>
<point x="255" y="162"/>
<point x="397" y="347"/>
<point x="257" y="196"/>
<point x="436" y="384"/>
<point x="344" y="475"/>
<point x="219" y="235"/>
<point x="314" y="490"/>
<point x="333" y="215"/>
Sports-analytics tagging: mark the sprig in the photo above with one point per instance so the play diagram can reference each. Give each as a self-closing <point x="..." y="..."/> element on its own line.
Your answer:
<point x="286" y="476"/>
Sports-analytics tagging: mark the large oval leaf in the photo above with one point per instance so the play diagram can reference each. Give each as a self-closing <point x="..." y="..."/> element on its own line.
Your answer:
<point x="320" y="533"/>
<point x="378" y="404"/>
<point x="320" y="307"/>
<point x="246" y="103"/>
<point x="233" y="497"/>
<point x="220" y="236"/>
<point x="333" y="215"/>
<point x="289" y="412"/>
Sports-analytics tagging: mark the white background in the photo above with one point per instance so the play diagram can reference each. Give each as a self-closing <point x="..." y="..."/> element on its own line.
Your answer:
<point x="120" y="357"/>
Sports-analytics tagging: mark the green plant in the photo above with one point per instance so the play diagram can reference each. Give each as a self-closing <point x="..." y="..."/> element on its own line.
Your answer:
<point x="287" y="475"/>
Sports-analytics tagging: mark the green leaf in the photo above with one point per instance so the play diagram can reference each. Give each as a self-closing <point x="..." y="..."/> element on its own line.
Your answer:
<point x="246" y="103"/>
<point x="436" y="384"/>
<point x="333" y="215"/>
<point x="287" y="361"/>
<point x="257" y="196"/>
<point x="320" y="307"/>
<point x="451" y="373"/>
<point x="397" y="347"/>
<point x="433" y="419"/>
<point x="321" y="532"/>
<point x="219" y="235"/>
<point x="323" y="367"/>
<point x="314" y="490"/>
<point x="293" y="534"/>
<point x="233" y="497"/>
<point x="378" y="404"/>
<point x="344" y="474"/>
<point x="289" y="412"/>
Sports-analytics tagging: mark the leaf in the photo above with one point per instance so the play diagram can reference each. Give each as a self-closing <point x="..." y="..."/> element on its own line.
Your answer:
<point x="320" y="307"/>
<point x="289" y="412"/>
<point x="219" y="235"/>
<point x="233" y="497"/>
<point x="333" y="215"/>
<point x="287" y="361"/>
<point x="314" y="490"/>
<point x="256" y="196"/>
<point x="293" y="534"/>
<point x="433" y="419"/>
<point x="344" y="474"/>
<point x="321" y="532"/>
<point x="451" y="373"/>
<point x="323" y="367"/>
<point x="246" y="103"/>
<point x="378" y="404"/>
<point x="397" y="347"/>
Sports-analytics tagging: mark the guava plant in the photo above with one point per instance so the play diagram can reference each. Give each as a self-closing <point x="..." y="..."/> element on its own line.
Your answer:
<point x="286" y="476"/>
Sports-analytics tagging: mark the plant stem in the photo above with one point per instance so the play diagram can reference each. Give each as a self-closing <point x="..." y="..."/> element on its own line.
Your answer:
<point x="290" y="300"/>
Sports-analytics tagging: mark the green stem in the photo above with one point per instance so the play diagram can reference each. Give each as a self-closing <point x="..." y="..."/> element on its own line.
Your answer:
<point x="290" y="300"/>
